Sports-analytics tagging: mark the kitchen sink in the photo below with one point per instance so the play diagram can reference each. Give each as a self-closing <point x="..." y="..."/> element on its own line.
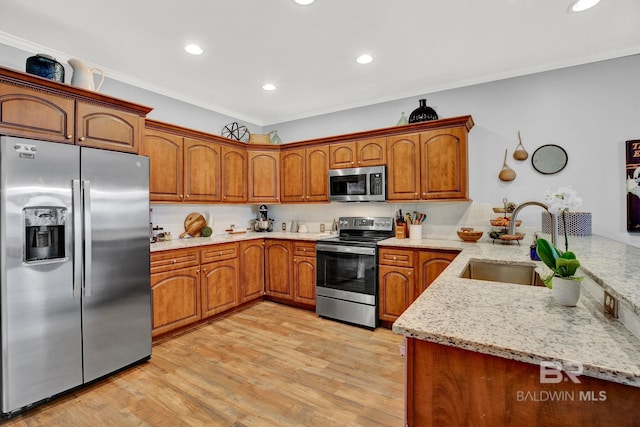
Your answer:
<point x="522" y="274"/>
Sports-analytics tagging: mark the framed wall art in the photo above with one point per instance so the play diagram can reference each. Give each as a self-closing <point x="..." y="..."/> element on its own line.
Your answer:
<point x="633" y="186"/>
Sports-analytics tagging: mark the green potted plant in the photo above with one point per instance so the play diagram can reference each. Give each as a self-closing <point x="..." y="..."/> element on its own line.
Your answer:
<point x="563" y="265"/>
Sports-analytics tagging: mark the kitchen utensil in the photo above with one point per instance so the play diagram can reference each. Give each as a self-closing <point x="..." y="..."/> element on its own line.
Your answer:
<point x="506" y="174"/>
<point x="193" y="224"/>
<point x="520" y="153"/>
<point x="83" y="76"/>
<point x="45" y="66"/>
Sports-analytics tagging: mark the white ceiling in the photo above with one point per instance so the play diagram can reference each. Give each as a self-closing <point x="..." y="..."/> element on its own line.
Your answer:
<point x="419" y="46"/>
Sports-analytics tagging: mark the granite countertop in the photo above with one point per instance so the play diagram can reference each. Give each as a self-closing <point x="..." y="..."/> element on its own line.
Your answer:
<point x="523" y="322"/>
<point x="236" y="237"/>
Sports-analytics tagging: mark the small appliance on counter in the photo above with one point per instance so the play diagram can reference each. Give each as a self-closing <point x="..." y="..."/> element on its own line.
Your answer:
<point x="263" y="222"/>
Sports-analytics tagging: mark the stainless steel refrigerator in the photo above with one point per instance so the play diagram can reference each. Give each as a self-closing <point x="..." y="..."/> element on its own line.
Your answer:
<point x="75" y="295"/>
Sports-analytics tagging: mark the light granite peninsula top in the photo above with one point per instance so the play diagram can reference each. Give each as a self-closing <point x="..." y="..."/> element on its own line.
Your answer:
<point x="523" y="322"/>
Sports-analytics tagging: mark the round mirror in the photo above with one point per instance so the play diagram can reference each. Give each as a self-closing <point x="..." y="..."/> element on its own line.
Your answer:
<point x="549" y="159"/>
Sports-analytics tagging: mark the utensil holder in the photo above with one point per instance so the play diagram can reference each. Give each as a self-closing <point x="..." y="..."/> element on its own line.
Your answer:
<point x="401" y="231"/>
<point x="415" y="231"/>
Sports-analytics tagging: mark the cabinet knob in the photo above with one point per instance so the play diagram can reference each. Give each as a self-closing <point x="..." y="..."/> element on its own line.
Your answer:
<point x="69" y="136"/>
<point x="220" y="253"/>
<point x="304" y="249"/>
<point x="81" y="138"/>
<point x="188" y="196"/>
<point x="415" y="194"/>
<point x="175" y="261"/>
<point x="395" y="258"/>
<point x="198" y="271"/>
<point x="204" y="270"/>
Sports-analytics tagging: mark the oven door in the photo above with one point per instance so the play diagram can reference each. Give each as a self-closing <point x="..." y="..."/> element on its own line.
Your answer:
<point x="347" y="273"/>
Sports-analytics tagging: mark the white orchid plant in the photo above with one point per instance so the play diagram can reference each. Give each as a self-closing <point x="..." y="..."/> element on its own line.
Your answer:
<point x="562" y="264"/>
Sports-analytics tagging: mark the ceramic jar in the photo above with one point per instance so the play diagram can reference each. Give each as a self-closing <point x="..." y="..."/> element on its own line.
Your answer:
<point x="565" y="291"/>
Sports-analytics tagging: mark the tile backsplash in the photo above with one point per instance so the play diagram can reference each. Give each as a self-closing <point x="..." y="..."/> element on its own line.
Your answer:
<point x="443" y="218"/>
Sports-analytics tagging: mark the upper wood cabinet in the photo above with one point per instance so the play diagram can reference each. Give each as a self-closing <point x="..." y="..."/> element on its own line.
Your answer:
<point x="304" y="175"/>
<point x="444" y="163"/>
<point x="431" y="165"/>
<point x="165" y="152"/>
<point x="33" y="107"/>
<point x="264" y="176"/>
<point x="234" y="175"/>
<point x="367" y="152"/>
<point x="202" y="169"/>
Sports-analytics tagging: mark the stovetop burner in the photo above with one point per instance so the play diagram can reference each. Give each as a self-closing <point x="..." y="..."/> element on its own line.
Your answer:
<point x="362" y="230"/>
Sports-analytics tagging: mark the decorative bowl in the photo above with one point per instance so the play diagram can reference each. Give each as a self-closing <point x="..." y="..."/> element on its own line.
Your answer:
<point x="469" y="236"/>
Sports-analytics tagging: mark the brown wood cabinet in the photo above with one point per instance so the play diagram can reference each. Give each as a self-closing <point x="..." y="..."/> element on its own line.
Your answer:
<point x="430" y="165"/>
<point x="252" y="274"/>
<point x="234" y="175"/>
<point x="396" y="282"/>
<point x="367" y="152"/>
<point x="279" y="276"/>
<point x="181" y="168"/>
<point x="175" y="289"/>
<point x="220" y="289"/>
<point x="304" y="272"/>
<point x="449" y="386"/>
<point x="304" y="175"/>
<point x="264" y="176"/>
<point x="33" y="107"/>
<point x="404" y="274"/>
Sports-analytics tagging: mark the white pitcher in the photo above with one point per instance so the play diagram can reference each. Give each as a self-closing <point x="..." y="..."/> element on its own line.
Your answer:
<point x="83" y="76"/>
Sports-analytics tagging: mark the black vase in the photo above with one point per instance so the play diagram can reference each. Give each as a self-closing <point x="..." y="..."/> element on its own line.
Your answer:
<point x="423" y="113"/>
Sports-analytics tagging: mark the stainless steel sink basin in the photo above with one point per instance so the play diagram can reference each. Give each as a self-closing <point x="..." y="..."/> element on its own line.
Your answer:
<point x="522" y="274"/>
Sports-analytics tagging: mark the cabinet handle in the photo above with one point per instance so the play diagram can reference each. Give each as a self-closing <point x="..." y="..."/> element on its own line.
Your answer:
<point x="220" y="253"/>
<point x="204" y="270"/>
<point x="415" y="194"/>
<point x="81" y="138"/>
<point x="395" y="258"/>
<point x="69" y="136"/>
<point x="188" y="196"/>
<point x="304" y="249"/>
<point x="198" y="271"/>
<point x="175" y="261"/>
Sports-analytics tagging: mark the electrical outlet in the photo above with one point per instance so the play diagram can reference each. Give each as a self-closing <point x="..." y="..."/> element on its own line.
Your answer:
<point x="610" y="305"/>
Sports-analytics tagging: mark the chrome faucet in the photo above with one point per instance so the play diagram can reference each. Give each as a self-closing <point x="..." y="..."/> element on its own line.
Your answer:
<point x="554" y="219"/>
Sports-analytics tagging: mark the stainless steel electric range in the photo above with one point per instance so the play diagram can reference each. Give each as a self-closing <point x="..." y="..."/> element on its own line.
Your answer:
<point x="347" y="278"/>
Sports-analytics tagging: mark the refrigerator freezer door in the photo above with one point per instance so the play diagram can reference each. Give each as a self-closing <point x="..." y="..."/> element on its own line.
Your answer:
<point x="41" y="329"/>
<point x="116" y="314"/>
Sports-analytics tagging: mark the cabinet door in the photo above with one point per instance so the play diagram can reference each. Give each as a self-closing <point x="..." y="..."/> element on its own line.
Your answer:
<point x="264" y="177"/>
<point x="430" y="264"/>
<point x="201" y="171"/>
<point x="403" y="175"/>
<point x="293" y="176"/>
<point x="165" y="165"/>
<point x="220" y="290"/>
<point x="372" y="152"/>
<point x="396" y="291"/>
<point x="107" y="128"/>
<point x="234" y="175"/>
<point x="278" y="259"/>
<point x="342" y="155"/>
<point x="33" y="114"/>
<point x="444" y="164"/>
<point x="251" y="270"/>
<point x="304" y="272"/>
<point x="317" y="174"/>
<point x="175" y="299"/>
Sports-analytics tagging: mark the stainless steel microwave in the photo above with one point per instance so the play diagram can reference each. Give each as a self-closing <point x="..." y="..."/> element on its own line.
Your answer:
<point x="368" y="184"/>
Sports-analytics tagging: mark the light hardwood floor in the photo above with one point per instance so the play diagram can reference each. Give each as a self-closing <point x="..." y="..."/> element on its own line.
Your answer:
<point x="268" y="365"/>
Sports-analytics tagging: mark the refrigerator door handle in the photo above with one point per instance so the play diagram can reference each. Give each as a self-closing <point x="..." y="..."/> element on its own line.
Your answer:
<point x="86" y="198"/>
<point x="77" y="237"/>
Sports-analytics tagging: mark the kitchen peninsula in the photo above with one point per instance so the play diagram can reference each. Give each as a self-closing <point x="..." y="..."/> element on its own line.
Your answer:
<point x="474" y="347"/>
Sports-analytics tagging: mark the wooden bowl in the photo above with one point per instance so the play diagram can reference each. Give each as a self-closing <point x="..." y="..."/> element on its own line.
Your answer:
<point x="469" y="236"/>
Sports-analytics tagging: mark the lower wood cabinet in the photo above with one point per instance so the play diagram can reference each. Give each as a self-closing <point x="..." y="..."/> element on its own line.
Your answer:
<point x="404" y="274"/>
<point x="291" y="271"/>
<point x="252" y="275"/>
<point x="219" y="280"/>
<point x="175" y="288"/>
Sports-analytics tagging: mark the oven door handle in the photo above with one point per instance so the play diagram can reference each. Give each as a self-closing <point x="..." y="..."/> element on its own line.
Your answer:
<point x="345" y="249"/>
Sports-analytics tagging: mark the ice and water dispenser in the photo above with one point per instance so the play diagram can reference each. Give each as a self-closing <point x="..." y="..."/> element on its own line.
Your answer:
<point x="44" y="233"/>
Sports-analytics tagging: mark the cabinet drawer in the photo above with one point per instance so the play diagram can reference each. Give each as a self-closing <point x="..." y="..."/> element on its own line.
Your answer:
<point x="172" y="260"/>
<point x="219" y="252"/>
<point x="396" y="257"/>
<point x="304" y="249"/>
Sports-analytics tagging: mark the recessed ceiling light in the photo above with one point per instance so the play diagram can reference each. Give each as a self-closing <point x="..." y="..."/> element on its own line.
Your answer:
<point x="364" y="59"/>
<point x="193" y="49"/>
<point x="269" y="86"/>
<point x="581" y="5"/>
<point x="304" y="2"/>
